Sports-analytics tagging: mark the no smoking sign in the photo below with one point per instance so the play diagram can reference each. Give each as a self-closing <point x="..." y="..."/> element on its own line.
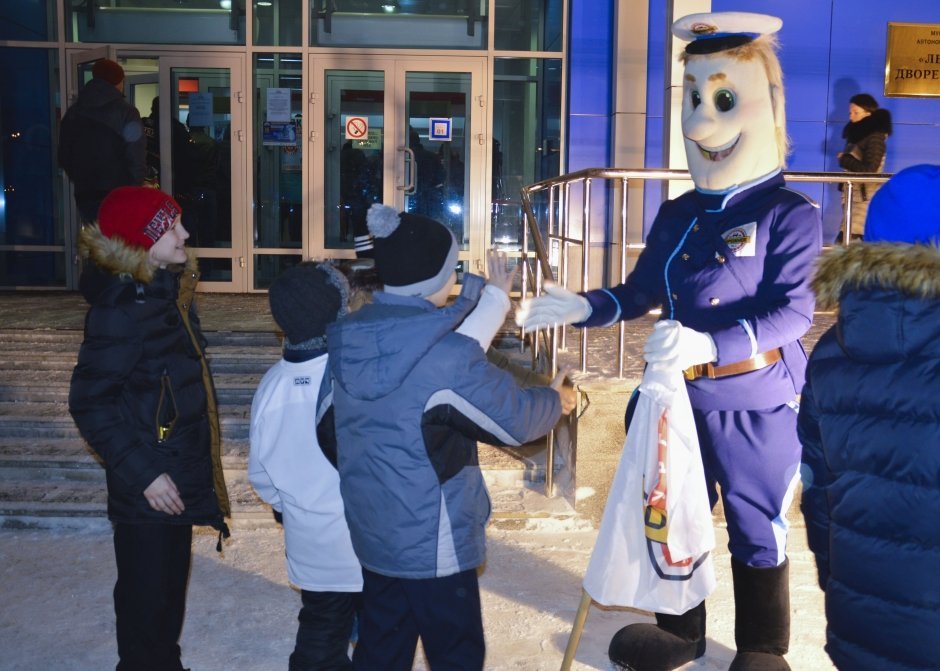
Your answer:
<point x="357" y="127"/>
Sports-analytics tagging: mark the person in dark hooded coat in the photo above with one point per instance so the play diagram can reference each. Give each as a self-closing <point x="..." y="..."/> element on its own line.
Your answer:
<point x="142" y="397"/>
<point x="101" y="141"/>
<point x="869" y="423"/>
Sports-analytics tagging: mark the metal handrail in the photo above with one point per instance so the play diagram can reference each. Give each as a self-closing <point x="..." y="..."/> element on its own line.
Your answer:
<point x="559" y="232"/>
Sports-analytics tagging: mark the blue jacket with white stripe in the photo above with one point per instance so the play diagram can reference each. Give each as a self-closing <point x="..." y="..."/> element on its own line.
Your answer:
<point x="410" y="399"/>
<point x="735" y="265"/>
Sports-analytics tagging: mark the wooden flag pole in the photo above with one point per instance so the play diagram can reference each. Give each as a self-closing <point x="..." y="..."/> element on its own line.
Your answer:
<point x="575" y="637"/>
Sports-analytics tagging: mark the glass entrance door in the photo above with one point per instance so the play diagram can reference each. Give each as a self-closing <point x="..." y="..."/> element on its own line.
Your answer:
<point x="407" y="132"/>
<point x="196" y="152"/>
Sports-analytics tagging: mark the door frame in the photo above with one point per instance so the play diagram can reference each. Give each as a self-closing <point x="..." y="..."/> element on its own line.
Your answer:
<point x="76" y="58"/>
<point x="240" y="252"/>
<point x="395" y="68"/>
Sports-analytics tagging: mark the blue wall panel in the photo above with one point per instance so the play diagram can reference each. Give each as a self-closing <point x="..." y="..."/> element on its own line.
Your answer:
<point x="830" y="50"/>
<point x="590" y="54"/>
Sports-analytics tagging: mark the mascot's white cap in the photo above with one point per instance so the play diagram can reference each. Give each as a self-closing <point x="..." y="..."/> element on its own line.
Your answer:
<point x="711" y="32"/>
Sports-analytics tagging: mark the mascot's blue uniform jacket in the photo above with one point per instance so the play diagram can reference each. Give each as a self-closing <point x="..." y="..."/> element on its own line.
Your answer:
<point x="410" y="399"/>
<point x="734" y="265"/>
<point x="870" y="427"/>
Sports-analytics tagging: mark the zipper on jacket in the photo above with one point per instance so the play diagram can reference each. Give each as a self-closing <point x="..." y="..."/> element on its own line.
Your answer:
<point x="167" y="413"/>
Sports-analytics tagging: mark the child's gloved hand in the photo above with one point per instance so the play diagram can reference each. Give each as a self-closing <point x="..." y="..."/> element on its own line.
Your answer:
<point x="673" y="345"/>
<point x="556" y="306"/>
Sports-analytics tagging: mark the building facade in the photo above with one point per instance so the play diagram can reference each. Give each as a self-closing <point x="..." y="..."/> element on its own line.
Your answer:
<point x="277" y="122"/>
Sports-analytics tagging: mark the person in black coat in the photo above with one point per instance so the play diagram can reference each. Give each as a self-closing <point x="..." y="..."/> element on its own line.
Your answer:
<point x="142" y="397"/>
<point x="101" y="141"/>
<point x="869" y="423"/>
<point x="866" y="136"/>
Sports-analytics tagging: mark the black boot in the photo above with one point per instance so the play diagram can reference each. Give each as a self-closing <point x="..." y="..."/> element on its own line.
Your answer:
<point x="666" y="645"/>
<point x="761" y="617"/>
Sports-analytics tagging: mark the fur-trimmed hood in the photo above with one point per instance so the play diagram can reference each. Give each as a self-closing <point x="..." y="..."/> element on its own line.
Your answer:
<point x="116" y="257"/>
<point x="888" y="298"/>
<point x="878" y="121"/>
<point x="912" y="270"/>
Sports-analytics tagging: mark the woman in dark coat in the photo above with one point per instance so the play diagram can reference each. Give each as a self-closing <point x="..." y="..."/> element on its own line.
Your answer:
<point x="142" y="398"/>
<point x="869" y="423"/>
<point x="866" y="135"/>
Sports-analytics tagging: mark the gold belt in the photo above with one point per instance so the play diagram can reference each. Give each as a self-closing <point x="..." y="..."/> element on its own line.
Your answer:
<point x="755" y="363"/>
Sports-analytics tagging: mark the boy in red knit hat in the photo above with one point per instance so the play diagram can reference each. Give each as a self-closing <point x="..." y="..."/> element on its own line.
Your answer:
<point x="142" y="398"/>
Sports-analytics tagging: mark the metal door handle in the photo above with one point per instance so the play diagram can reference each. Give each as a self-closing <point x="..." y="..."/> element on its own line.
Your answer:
<point x="409" y="186"/>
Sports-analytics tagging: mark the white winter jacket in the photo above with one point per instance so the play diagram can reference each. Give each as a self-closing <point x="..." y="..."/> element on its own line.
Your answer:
<point x="288" y="470"/>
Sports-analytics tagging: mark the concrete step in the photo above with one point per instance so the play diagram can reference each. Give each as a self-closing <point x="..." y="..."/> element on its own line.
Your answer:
<point x="49" y="477"/>
<point x="51" y="420"/>
<point x="46" y="482"/>
<point x="11" y="338"/>
<point x="53" y="387"/>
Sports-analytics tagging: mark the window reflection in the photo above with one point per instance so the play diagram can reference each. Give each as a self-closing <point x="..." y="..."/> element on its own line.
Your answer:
<point x="526" y="132"/>
<point x="279" y="136"/>
<point x="157" y="21"/>
<point x="451" y="24"/>
<point x="353" y="170"/>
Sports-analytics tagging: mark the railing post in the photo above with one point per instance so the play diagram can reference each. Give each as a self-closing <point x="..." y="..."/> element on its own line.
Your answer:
<point x="621" y="326"/>
<point x="585" y="259"/>
<point x="847" y="213"/>
<point x="564" y="231"/>
<point x="559" y="231"/>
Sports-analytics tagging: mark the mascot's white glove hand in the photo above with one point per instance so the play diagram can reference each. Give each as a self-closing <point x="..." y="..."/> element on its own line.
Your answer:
<point x="556" y="306"/>
<point x="673" y="345"/>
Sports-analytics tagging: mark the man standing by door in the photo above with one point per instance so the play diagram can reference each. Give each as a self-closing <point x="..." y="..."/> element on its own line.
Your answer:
<point x="101" y="142"/>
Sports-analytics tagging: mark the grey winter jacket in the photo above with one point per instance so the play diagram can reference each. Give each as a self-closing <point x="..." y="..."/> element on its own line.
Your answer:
<point x="411" y="397"/>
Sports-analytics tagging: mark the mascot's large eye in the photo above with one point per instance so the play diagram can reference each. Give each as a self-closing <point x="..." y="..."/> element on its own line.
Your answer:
<point x="724" y="100"/>
<point x="696" y="98"/>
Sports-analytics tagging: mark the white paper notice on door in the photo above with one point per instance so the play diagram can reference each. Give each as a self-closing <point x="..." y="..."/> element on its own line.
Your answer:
<point x="200" y="110"/>
<point x="278" y="101"/>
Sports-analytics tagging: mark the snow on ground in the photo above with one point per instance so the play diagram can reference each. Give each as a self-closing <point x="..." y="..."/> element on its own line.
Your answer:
<point x="56" y="609"/>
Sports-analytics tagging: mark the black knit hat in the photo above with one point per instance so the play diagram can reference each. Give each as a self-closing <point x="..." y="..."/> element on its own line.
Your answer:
<point x="304" y="300"/>
<point x="865" y="101"/>
<point x="414" y="255"/>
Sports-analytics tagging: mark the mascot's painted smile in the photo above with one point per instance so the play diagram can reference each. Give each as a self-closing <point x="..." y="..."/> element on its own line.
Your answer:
<point x="719" y="153"/>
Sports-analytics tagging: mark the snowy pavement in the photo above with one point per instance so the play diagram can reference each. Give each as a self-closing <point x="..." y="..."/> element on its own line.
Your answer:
<point x="56" y="609"/>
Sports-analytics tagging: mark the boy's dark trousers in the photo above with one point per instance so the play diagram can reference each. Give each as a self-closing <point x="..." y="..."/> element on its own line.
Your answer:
<point x="326" y="623"/>
<point x="443" y="612"/>
<point x="153" y="563"/>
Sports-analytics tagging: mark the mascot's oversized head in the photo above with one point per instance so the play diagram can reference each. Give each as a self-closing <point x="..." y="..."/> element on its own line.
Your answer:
<point x="733" y="117"/>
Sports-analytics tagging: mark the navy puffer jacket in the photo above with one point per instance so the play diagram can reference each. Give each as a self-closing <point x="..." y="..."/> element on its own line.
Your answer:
<point x="870" y="427"/>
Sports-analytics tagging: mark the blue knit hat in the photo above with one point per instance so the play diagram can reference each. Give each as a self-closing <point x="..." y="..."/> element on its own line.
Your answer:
<point x="906" y="208"/>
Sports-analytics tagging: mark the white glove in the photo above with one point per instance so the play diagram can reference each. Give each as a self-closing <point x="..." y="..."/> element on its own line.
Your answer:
<point x="556" y="306"/>
<point x="672" y="344"/>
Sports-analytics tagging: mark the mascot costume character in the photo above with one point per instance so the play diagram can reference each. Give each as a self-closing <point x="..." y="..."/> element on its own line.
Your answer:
<point x="729" y="263"/>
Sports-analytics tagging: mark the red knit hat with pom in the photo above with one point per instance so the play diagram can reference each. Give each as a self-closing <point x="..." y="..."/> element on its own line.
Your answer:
<point x="137" y="215"/>
<point x="108" y="70"/>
